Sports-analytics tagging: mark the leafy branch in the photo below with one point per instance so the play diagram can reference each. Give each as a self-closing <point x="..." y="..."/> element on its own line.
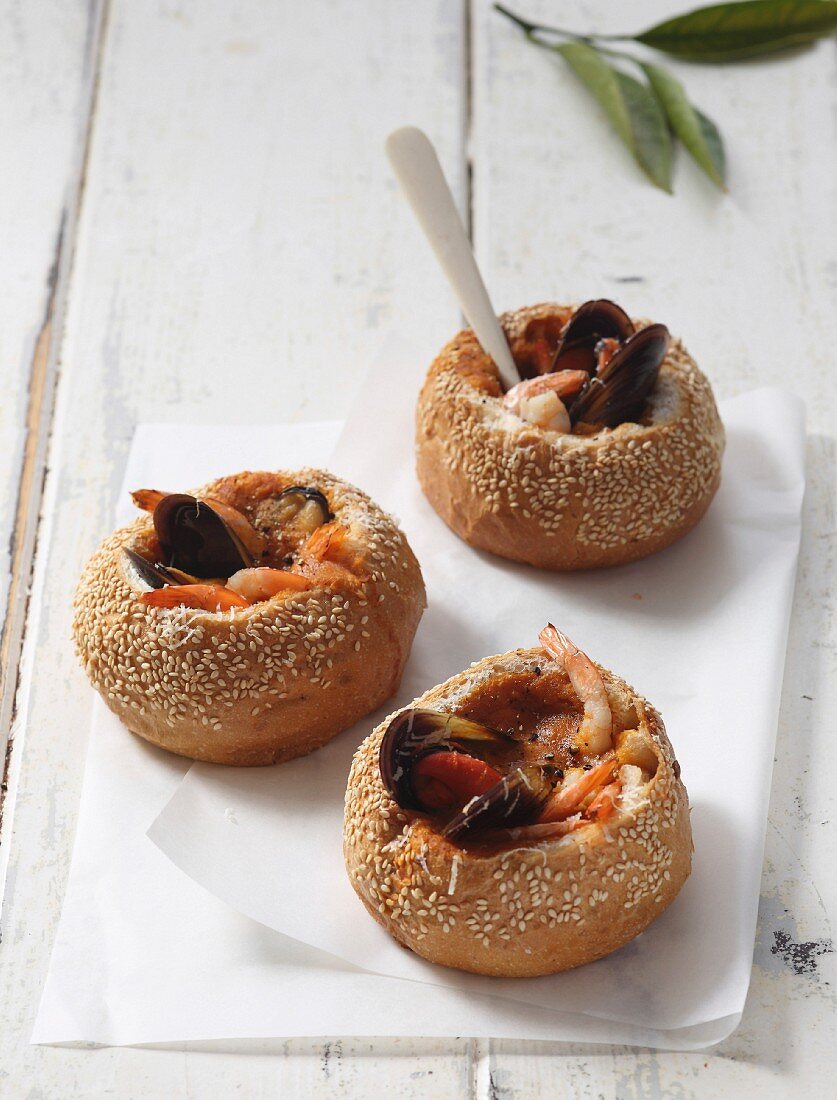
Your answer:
<point x="647" y="113"/>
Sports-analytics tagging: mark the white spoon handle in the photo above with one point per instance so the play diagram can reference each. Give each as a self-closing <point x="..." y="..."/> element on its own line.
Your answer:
<point x="417" y="167"/>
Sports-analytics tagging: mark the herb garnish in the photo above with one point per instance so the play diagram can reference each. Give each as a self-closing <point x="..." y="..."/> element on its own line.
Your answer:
<point x="648" y="114"/>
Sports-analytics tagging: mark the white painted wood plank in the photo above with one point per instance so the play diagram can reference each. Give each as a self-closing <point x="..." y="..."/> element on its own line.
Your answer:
<point x="560" y="211"/>
<point x="43" y="90"/>
<point x="39" y="131"/>
<point x="241" y="251"/>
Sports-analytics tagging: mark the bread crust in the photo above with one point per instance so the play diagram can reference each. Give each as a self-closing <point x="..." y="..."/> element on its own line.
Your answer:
<point x="555" y="501"/>
<point x="527" y="910"/>
<point x="260" y="684"/>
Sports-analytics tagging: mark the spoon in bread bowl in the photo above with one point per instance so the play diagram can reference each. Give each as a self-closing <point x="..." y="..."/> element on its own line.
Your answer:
<point x="420" y="175"/>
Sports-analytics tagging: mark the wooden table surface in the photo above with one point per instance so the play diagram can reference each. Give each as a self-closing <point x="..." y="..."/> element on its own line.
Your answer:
<point x="197" y="222"/>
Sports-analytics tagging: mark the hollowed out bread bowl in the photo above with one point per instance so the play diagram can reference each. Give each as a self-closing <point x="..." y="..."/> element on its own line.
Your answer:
<point x="258" y="684"/>
<point x="511" y="908"/>
<point x="564" y="501"/>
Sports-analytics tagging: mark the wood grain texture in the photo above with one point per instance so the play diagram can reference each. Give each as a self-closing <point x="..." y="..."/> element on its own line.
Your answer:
<point x="239" y="252"/>
<point x="45" y="92"/>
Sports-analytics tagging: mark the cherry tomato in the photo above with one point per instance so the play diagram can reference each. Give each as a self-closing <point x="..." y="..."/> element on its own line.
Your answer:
<point x="448" y="780"/>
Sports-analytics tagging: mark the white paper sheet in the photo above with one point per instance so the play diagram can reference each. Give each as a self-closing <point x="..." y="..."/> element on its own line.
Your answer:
<point x="708" y="615"/>
<point x="144" y="955"/>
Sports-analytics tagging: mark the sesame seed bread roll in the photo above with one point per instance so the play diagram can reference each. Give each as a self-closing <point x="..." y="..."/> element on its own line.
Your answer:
<point x="564" y="501"/>
<point x="510" y="907"/>
<point x="262" y="683"/>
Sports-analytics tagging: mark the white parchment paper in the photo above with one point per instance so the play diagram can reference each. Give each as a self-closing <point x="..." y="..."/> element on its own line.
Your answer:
<point x="700" y="629"/>
<point x="143" y="954"/>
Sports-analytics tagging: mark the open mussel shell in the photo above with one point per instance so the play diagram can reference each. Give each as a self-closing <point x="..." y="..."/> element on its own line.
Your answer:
<point x="295" y="497"/>
<point x="516" y="800"/>
<point x="414" y="733"/>
<point x="619" y="393"/>
<point x="594" y="321"/>
<point x="143" y="573"/>
<point x="196" y="539"/>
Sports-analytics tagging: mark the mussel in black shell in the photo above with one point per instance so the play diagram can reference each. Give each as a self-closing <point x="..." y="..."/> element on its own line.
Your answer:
<point x="515" y="800"/>
<point x="147" y="574"/>
<point x="196" y="539"/>
<point x="303" y="504"/>
<point x="413" y="734"/>
<point x="298" y="495"/>
<point x="591" y="323"/>
<point x="295" y="513"/>
<point x="619" y="391"/>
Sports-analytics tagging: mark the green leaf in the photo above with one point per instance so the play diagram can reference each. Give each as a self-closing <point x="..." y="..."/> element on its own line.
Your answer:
<point x="714" y="144"/>
<point x="698" y="133"/>
<point x="591" y="68"/>
<point x="632" y="109"/>
<point x="726" y="32"/>
<point x="652" y="140"/>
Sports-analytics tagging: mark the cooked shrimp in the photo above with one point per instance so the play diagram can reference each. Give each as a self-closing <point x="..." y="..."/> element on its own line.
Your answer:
<point x="594" y="733"/>
<point x="565" y="383"/>
<point x="204" y="597"/>
<point x="147" y="499"/>
<point x="569" y="796"/>
<point x="330" y="558"/>
<point x="599" y="809"/>
<point x="538" y="400"/>
<point x="328" y="542"/>
<point x="604" y="803"/>
<point x="262" y="583"/>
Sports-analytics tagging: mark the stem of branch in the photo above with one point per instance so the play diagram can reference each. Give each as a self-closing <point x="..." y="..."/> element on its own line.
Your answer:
<point x="531" y="29"/>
